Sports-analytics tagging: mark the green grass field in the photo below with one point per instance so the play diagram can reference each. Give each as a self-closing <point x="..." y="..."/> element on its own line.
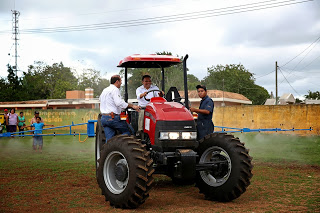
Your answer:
<point x="282" y="148"/>
<point x="62" y="177"/>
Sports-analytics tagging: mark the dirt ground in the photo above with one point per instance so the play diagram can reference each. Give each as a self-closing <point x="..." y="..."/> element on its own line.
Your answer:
<point x="274" y="188"/>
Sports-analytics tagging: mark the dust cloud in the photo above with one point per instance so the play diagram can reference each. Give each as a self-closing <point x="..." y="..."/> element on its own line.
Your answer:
<point x="276" y="147"/>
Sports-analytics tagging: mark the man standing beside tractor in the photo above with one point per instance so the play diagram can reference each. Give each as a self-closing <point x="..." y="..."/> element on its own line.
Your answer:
<point x="111" y="106"/>
<point x="204" y="123"/>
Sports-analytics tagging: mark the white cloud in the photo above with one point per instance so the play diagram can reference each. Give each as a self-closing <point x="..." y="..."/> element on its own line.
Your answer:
<point x="254" y="39"/>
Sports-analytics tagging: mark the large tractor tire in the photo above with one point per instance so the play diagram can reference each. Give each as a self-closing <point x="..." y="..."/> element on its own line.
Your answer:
<point x="230" y="179"/>
<point x="125" y="172"/>
<point x="100" y="140"/>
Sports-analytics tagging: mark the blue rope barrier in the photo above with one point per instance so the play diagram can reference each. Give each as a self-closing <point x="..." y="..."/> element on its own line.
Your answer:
<point x="90" y="131"/>
<point x="258" y="130"/>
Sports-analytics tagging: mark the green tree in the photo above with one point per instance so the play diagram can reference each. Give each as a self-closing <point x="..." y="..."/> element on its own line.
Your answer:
<point x="91" y="78"/>
<point x="33" y="83"/>
<point x="193" y="81"/>
<point x="48" y="82"/>
<point x="235" y="78"/>
<point x="313" y="95"/>
<point x="10" y="88"/>
<point x="3" y="89"/>
<point x="102" y="84"/>
<point x="59" y="79"/>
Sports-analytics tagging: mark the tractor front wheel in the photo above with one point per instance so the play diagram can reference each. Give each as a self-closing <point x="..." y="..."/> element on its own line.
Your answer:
<point x="125" y="172"/>
<point x="231" y="173"/>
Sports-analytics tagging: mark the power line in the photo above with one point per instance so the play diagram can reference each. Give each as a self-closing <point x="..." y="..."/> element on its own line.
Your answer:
<point x="311" y="62"/>
<point x="293" y="70"/>
<point x="288" y="81"/>
<point x="300" y="53"/>
<point x="299" y="76"/>
<point x="97" y="13"/>
<point x="168" y="19"/>
<point x="265" y="74"/>
<point x="315" y="42"/>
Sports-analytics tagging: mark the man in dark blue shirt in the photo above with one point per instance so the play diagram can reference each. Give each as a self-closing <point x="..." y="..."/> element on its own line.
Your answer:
<point x="204" y="123"/>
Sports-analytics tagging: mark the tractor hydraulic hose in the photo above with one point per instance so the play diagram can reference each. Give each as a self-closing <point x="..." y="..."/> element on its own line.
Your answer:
<point x="83" y="140"/>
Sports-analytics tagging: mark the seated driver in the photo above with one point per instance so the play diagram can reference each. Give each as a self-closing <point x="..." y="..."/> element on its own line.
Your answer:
<point x="142" y="95"/>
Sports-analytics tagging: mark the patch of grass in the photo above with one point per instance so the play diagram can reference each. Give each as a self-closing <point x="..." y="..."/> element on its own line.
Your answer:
<point x="62" y="178"/>
<point x="280" y="148"/>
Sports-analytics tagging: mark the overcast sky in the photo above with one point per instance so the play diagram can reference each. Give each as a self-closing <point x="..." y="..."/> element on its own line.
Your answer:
<point x="211" y="32"/>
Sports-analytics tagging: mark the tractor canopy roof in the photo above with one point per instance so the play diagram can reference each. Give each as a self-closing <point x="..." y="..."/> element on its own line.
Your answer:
<point x="149" y="61"/>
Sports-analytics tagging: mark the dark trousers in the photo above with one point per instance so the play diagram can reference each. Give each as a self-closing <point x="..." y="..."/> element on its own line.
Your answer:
<point x="21" y="129"/>
<point x="204" y="127"/>
<point x="11" y="128"/>
<point x="112" y="125"/>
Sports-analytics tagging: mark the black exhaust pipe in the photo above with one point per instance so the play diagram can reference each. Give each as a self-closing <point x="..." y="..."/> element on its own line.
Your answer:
<point x="186" y="99"/>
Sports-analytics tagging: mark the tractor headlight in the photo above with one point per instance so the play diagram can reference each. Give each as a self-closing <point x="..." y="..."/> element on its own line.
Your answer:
<point x="177" y="135"/>
<point x="173" y="135"/>
<point x="164" y="136"/>
<point x="189" y="135"/>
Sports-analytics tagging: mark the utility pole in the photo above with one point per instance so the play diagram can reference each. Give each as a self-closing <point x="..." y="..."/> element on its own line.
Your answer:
<point x="223" y="104"/>
<point x="276" y="83"/>
<point x="15" y="33"/>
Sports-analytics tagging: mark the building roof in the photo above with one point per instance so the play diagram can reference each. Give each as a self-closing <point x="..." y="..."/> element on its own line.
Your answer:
<point x="270" y="101"/>
<point x="218" y="95"/>
<point x="312" y="101"/>
<point x="36" y="103"/>
<point x="287" y="98"/>
<point x="47" y="103"/>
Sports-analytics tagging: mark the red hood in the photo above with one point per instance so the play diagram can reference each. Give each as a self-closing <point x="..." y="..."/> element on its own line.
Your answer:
<point x="169" y="111"/>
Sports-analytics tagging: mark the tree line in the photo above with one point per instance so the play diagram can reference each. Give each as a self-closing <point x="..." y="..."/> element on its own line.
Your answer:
<point x="231" y="78"/>
<point x="43" y="81"/>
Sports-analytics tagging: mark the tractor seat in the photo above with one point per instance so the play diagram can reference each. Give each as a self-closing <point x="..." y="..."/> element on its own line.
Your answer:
<point x="173" y="95"/>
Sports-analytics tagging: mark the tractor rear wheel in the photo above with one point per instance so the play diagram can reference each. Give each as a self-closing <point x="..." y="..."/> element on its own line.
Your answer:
<point x="100" y="140"/>
<point x="232" y="173"/>
<point x="125" y="172"/>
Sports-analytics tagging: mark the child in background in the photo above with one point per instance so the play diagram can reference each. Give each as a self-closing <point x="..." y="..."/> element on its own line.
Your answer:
<point x="38" y="140"/>
<point x="21" y="124"/>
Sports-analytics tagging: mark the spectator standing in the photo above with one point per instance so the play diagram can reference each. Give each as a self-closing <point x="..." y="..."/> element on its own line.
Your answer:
<point x="204" y="123"/>
<point x="21" y="124"/>
<point x="12" y="120"/>
<point x="37" y="139"/>
<point x="5" y="119"/>
<point x="34" y="119"/>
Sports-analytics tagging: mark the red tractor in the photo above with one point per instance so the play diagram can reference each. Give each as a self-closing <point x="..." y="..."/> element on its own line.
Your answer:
<point x="219" y="164"/>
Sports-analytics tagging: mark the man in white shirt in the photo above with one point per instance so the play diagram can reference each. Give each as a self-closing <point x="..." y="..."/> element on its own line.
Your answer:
<point x="142" y="95"/>
<point x="111" y="105"/>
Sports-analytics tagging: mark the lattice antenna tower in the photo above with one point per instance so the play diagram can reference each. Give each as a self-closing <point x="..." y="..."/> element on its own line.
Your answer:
<point x="15" y="35"/>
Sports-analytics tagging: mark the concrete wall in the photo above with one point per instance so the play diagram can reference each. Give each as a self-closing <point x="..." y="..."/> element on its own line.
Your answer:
<point x="61" y="117"/>
<point x="284" y="117"/>
<point x="254" y="117"/>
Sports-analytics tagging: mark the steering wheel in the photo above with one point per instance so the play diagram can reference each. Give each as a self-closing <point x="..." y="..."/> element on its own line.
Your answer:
<point x="152" y="91"/>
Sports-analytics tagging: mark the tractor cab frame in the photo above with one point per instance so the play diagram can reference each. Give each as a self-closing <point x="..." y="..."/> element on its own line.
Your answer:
<point x="154" y="61"/>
